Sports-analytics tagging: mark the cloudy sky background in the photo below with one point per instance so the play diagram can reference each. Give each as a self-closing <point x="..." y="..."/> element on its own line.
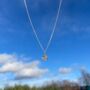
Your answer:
<point x="20" y="54"/>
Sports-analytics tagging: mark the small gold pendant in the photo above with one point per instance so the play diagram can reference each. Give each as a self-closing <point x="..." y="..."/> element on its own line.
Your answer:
<point x="45" y="57"/>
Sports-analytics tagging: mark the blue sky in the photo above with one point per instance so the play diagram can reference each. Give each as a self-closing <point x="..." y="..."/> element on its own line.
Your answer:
<point x="70" y="47"/>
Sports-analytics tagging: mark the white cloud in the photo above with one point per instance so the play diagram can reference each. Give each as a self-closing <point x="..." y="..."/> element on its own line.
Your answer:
<point x="4" y="58"/>
<point x="65" y="70"/>
<point x="30" y="73"/>
<point x="11" y="67"/>
<point x="14" y="64"/>
<point x="72" y="68"/>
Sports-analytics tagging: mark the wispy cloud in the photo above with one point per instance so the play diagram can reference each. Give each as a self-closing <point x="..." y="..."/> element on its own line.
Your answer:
<point x="73" y="68"/>
<point x="65" y="70"/>
<point x="38" y="3"/>
<point x="78" y="26"/>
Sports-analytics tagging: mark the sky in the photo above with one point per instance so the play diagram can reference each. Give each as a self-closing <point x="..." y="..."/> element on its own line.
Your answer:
<point x="20" y="54"/>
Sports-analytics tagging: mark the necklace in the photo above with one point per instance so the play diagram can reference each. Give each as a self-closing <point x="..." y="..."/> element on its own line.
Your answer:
<point x="44" y="57"/>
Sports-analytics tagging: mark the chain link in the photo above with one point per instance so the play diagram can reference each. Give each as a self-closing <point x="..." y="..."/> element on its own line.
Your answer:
<point x="33" y="28"/>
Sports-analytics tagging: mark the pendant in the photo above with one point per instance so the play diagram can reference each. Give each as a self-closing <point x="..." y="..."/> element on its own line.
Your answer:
<point x="45" y="57"/>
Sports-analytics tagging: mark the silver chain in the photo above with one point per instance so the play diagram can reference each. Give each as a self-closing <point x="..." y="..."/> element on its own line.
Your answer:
<point x="33" y="28"/>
